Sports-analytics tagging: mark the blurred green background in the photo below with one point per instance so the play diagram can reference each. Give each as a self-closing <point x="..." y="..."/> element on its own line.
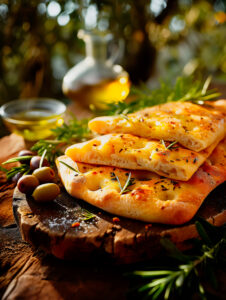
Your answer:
<point x="163" y="39"/>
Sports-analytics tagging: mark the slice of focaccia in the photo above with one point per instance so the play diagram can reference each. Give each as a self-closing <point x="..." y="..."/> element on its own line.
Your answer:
<point x="147" y="197"/>
<point x="219" y="105"/>
<point x="136" y="153"/>
<point x="193" y="126"/>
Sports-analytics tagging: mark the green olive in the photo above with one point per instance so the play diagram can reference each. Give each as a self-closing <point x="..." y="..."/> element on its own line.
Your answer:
<point x="27" y="183"/>
<point x="44" y="174"/>
<point x="46" y="192"/>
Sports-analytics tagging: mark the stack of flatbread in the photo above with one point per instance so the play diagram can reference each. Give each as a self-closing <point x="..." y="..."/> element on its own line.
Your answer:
<point x="155" y="165"/>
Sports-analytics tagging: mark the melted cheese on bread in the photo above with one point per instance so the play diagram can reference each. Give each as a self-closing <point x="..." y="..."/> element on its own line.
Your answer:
<point x="193" y="126"/>
<point x="150" y="198"/>
<point x="132" y="152"/>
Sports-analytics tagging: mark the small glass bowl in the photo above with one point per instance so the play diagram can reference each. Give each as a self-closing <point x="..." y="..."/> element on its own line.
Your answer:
<point x="33" y="118"/>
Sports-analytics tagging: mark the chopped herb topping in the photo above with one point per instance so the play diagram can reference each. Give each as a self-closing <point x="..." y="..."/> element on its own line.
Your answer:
<point x="87" y="215"/>
<point x="159" y="181"/>
<point x="163" y="188"/>
<point x="129" y="182"/>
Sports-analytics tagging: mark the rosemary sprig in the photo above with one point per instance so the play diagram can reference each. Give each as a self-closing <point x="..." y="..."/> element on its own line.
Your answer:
<point x="129" y="182"/>
<point x="185" y="89"/>
<point x="171" y="282"/>
<point x="3" y="169"/>
<point x="17" y="159"/>
<point x="87" y="215"/>
<point x="52" y="149"/>
<point x="23" y="169"/>
<point x="70" y="167"/>
<point x="75" y="130"/>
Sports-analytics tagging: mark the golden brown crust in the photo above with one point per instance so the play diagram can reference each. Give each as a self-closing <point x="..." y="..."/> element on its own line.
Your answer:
<point x="219" y="105"/>
<point x="193" y="126"/>
<point x="151" y="198"/>
<point x="136" y="153"/>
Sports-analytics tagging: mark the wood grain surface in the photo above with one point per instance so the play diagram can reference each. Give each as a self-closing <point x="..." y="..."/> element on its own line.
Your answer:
<point x="49" y="226"/>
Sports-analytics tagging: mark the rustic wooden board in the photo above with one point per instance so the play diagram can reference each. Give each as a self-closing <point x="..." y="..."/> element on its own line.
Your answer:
<point x="49" y="226"/>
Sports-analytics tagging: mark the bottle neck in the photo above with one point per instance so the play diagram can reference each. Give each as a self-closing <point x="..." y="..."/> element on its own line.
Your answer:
<point x="96" y="50"/>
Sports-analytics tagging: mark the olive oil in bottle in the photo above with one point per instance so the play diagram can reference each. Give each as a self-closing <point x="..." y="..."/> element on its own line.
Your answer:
<point x="100" y="94"/>
<point x="96" y="80"/>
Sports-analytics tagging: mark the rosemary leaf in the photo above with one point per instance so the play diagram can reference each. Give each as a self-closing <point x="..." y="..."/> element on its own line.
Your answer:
<point x="152" y="273"/>
<point x="23" y="169"/>
<point x="87" y="215"/>
<point x="169" y="282"/>
<point x="163" y="142"/>
<point x="171" y="145"/>
<point x="184" y="89"/>
<point x="119" y="183"/>
<point x="129" y="182"/>
<point x="124" y="189"/>
<point x="52" y="149"/>
<point x="206" y="85"/>
<point x="3" y="169"/>
<point x="75" y="130"/>
<point x="70" y="167"/>
<point x="202" y="233"/>
<point x="16" y="159"/>
<point x="42" y="158"/>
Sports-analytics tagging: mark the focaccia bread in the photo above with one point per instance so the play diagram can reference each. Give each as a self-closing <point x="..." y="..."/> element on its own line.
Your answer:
<point x="149" y="197"/>
<point x="193" y="126"/>
<point x="136" y="153"/>
<point x="218" y="105"/>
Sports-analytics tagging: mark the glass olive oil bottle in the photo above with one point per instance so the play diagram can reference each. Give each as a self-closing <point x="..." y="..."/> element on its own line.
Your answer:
<point x="96" y="80"/>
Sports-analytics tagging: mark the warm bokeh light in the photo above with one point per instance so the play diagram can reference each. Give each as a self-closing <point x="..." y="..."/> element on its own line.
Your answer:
<point x="60" y="122"/>
<point x="160" y="39"/>
<point x="53" y="9"/>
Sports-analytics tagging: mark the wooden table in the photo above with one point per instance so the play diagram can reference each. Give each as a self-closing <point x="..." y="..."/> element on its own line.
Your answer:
<point x="27" y="273"/>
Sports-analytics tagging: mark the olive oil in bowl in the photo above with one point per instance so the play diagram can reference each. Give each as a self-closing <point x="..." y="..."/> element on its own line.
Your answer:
<point x="33" y="119"/>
